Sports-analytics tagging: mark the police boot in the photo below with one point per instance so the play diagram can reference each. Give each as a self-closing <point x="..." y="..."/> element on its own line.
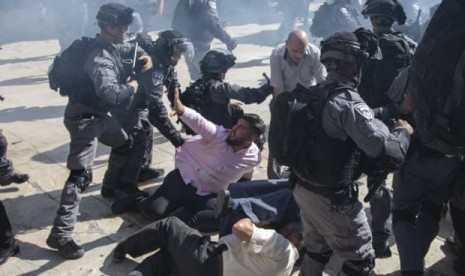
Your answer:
<point x="7" y="250"/>
<point x="16" y="178"/>
<point x="149" y="173"/>
<point x="67" y="248"/>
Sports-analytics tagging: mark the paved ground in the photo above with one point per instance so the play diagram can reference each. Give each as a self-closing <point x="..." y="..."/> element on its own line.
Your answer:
<point x="31" y="117"/>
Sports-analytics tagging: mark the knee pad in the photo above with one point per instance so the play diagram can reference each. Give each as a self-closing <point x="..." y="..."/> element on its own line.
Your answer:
<point x="432" y="209"/>
<point x="322" y="258"/>
<point x="402" y="215"/>
<point x="81" y="178"/>
<point x="358" y="267"/>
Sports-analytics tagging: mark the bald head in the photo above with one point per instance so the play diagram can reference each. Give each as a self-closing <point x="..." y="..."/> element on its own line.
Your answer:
<point x="296" y="45"/>
<point x="298" y="36"/>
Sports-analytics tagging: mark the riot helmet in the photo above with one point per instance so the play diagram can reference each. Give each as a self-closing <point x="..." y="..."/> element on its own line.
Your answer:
<point x="346" y="47"/>
<point x="217" y="61"/>
<point x="174" y="45"/>
<point x="385" y="8"/>
<point x="114" y="14"/>
<point x="342" y="46"/>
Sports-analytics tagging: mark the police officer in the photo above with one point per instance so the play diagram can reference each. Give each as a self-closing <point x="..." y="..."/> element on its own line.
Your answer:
<point x="333" y="218"/>
<point x="342" y="17"/>
<point x="378" y="74"/>
<point x="165" y="52"/>
<point x="87" y="120"/>
<point x="199" y="21"/>
<point x="433" y="170"/>
<point x="211" y="95"/>
<point x="8" y="246"/>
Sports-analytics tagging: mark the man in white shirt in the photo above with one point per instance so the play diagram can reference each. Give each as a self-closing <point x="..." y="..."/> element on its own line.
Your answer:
<point x="249" y="250"/>
<point x="296" y="61"/>
<point x="293" y="62"/>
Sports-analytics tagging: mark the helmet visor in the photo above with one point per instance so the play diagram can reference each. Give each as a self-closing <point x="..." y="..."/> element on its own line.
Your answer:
<point x="183" y="48"/>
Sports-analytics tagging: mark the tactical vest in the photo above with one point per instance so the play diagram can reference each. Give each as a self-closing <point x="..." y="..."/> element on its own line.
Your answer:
<point x="334" y="163"/>
<point x="397" y="53"/>
<point x="198" y="97"/>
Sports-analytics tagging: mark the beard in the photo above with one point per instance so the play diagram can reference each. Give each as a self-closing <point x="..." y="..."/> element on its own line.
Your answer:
<point x="232" y="142"/>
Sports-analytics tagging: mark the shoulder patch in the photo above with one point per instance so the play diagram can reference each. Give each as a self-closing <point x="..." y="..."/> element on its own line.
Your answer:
<point x="364" y="110"/>
<point x="157" y="78"/>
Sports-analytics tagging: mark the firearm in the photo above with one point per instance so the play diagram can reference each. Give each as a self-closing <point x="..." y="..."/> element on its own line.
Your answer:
<point x="133" y="72"/>
<point x="378" y="182"/>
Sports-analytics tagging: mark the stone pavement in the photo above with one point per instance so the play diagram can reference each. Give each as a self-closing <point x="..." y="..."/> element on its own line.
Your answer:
<point x="31" y="117"/>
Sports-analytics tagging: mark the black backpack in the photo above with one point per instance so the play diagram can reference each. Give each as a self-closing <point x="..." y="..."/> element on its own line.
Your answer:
<point x="321" y="22"/>
<point x="397" y="50"/>
<point x="437" y="78"/>
<point x="67" y="75"/>
<point x="295" y="117"/>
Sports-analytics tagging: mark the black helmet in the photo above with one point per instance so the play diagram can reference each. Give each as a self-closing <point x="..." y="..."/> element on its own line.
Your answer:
<point x="388" y="8"/>
<point x="114" y="14"/>
<point x="217" y="61"/>
<point x="342" y="46"/>
<point x="175" y="44"/>
<point x="350" y="47"/>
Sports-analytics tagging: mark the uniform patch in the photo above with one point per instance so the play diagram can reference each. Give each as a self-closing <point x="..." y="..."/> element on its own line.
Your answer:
<point x="364" y="110"/>
<point x="157" y="78"/>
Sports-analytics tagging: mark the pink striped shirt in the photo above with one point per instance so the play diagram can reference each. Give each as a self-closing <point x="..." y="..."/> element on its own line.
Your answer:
<point x="206" y="161"/>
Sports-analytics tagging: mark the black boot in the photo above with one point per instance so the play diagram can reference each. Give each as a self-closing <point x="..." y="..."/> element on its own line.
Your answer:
<point x="7" y="250"/>
<point x="15" y="178"/>
<point x="150" y="174"/>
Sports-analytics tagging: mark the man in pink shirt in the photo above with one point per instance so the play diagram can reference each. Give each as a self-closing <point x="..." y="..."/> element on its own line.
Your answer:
<point x="205" y="164"/>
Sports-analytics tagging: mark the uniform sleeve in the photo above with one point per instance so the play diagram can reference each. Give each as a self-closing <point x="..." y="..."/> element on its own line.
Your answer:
<point x="199" y="124"/>
<point x="357" y="120"/>
<point x="212" y="23"/>
<point x="158" y="115"/>
<point x="276" y="74"/>
<point x="103" y="72"/>
<point x="222" y="91"/>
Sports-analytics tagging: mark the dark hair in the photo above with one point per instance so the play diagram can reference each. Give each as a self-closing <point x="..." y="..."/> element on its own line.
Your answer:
<point x="256" y="122"/>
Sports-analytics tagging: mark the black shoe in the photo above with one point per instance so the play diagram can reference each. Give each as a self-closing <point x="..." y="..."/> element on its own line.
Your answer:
<point x="129" y="190"/>
<point x="7" y="251"/>
<point x="17" y="178"/>
<point x="118" y="255"/>
<point x="126" y="204"/>
<point x="382" y="251"/>
<point x="150" y="174"/>
<point x="67" y="248"/>
<point x="107" y="192"/>
<point x="223" y="203"/>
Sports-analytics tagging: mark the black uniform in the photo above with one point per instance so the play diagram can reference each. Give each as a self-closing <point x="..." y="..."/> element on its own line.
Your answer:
<point x="149" y="103"/>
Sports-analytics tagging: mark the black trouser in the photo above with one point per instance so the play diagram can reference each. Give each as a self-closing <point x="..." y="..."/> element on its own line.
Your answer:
<point x="6" y="234"/>
<point x="183" y="250"/>
<point x="269" y="201"/>
<point x="6" y="166"/>
<point x="174" y="197"/>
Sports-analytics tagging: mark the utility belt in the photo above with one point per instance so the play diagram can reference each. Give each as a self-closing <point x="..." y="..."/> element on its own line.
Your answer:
<point x="338" y="195"/>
